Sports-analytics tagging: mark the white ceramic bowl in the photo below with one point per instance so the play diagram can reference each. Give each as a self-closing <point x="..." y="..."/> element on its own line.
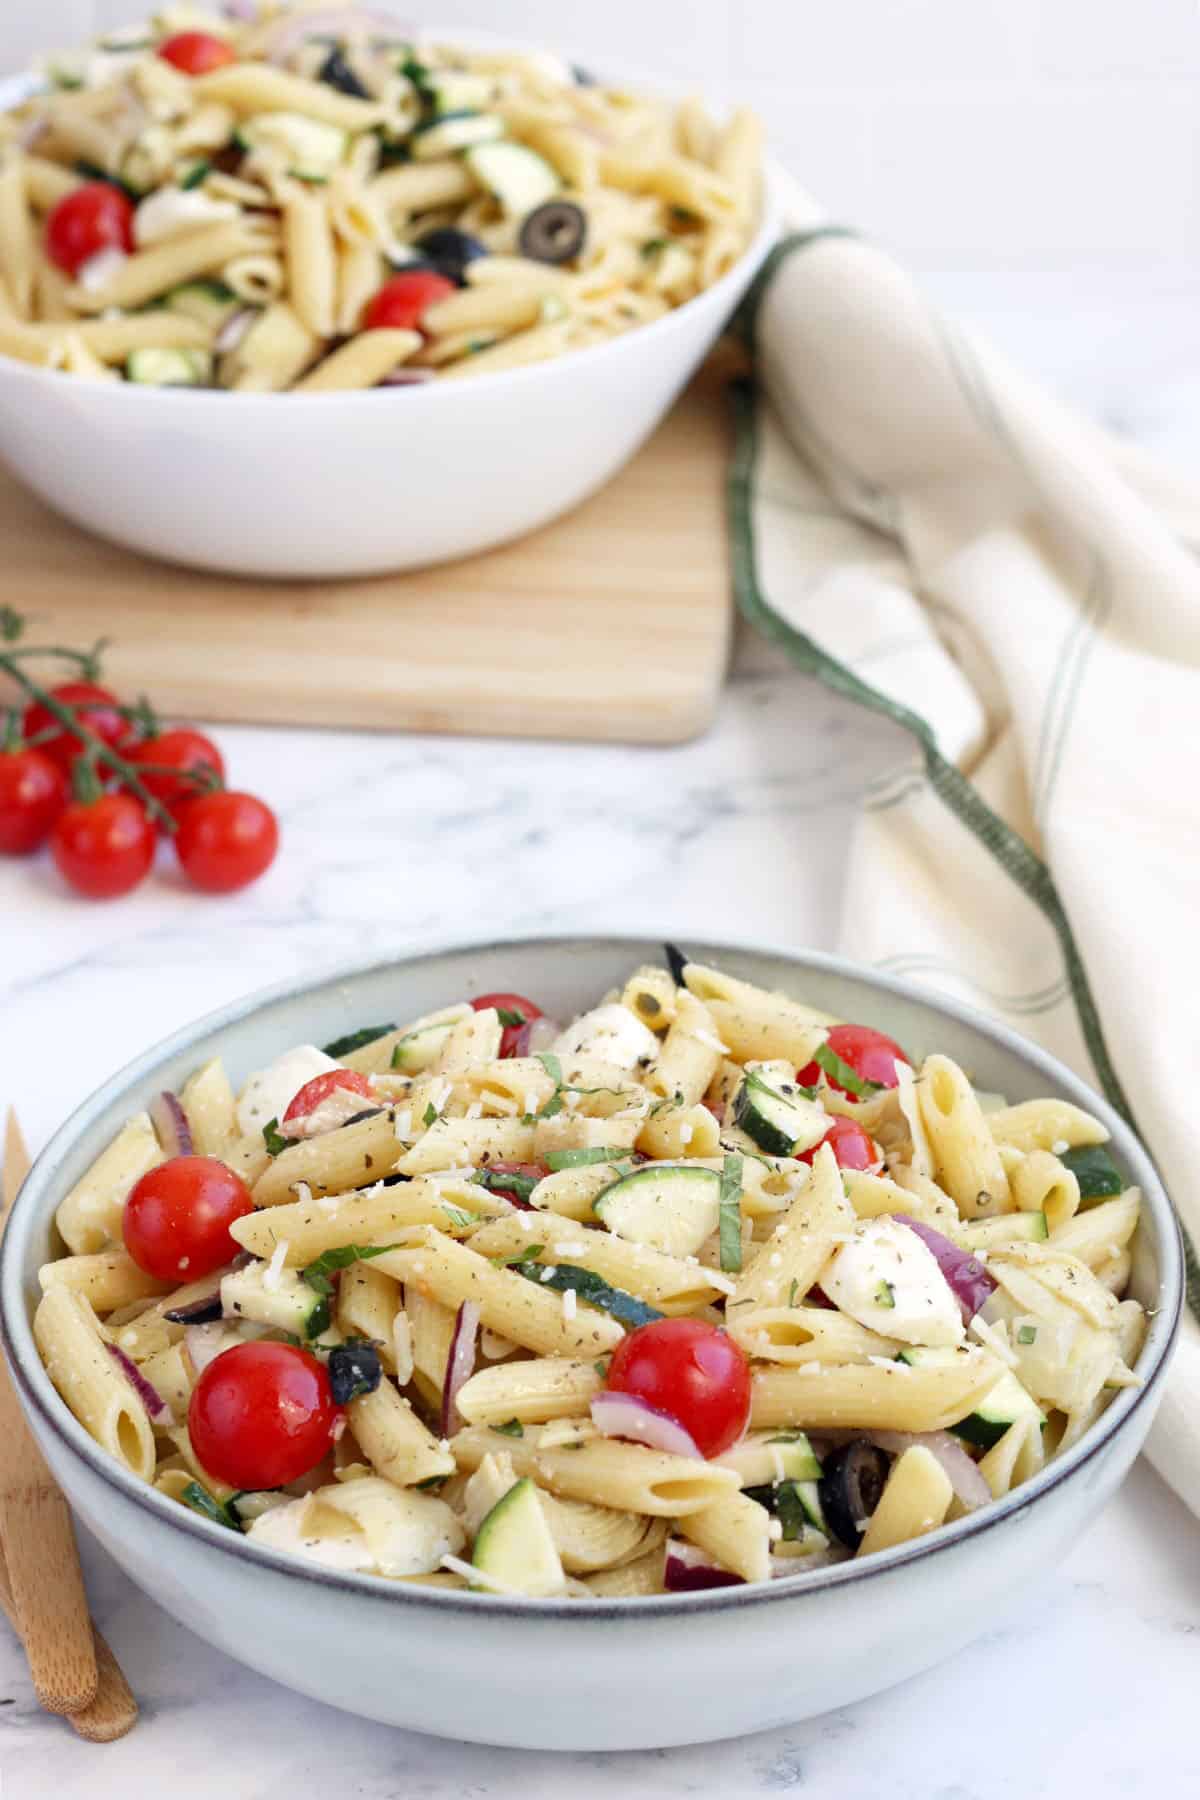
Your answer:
<point x="323" y="485"/>
<point x="556" y="1674"/>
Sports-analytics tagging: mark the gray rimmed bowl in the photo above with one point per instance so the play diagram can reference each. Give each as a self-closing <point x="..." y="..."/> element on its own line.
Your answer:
<point x="546" y="1674"/>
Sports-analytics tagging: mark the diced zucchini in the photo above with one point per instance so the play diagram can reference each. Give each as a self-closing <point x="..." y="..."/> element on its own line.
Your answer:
<point x="515" y="1547"/>
<point x="208" y="302"/>
<point x="251" y="1505"/>
<point x="169" y="368"/>
<point x="517" y="177"/>
<point x="797" y="1458"/>
<point x="457" y="131"/>
<point x="456" y="91"/>
<point x="415" y="1051"/>
<point x="779" y="1119"/>
<point x="1007" y="1228"/>
<point x="796" y="1504"/>
<point x="312" y="149"/>
<point x="1000" y="1407"/>
<point x="769" y="1457"/>
<point x="671" y="1209"/>
<point x="275" y="1297"/>
<point x="810" y="1505"/>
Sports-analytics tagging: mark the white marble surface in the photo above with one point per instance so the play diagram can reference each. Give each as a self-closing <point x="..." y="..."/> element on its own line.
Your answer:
<point x="1090" y="1684"/>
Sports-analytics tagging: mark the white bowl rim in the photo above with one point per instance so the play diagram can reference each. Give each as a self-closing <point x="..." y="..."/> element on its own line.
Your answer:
<point x="40" y="1394"/>
<point x="420" y="394"/>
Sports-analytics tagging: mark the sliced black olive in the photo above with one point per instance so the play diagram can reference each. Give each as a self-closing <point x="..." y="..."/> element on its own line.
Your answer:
<point x="354" y="1369"/>
<point x="368" y="1112"/>
<point x="336" y="72"/>
<point x="554" y="232"/>
<point x="583" y="77"/>
<point x="200" y="1312"/>
<point x="849" y="1489"/>
<point x="676" y="962"/>
<point x="450" y="251"/>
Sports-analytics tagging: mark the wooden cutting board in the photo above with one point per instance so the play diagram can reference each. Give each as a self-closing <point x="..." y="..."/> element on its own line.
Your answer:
<point x="612" y="623"/>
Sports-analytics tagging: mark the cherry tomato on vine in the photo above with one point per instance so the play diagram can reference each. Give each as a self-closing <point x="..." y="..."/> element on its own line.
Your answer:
<point x="870" y="1053"/>
<point x="177" y="1217"/>
<point x="197" y="52"/>
<point x="262" y="1415"/>
<point x="851" y="1146"/>
<point x="693" y="1372"/>
<point x="333" y="1081"/>
<point x="185" y="750"/>
<point x="400" y="303"/>
<point x="33" y="791"/>
<point x="511" y="1037"/>
<point x="226" y="840"/>
<point x="103" y="847"/>
<point x="530" y="1171"/>
<point x="95" y="707"/>
<point x="94" y="217"/>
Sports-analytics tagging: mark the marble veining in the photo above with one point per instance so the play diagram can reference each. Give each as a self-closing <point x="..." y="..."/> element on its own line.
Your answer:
<point x="1089" y="1685"/>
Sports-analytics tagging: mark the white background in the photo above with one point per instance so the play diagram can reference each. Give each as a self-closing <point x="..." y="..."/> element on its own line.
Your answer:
<point x="964" y="133"/>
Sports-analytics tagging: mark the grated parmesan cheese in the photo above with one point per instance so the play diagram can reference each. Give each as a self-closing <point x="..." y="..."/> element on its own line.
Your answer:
<point x="568" y="1303"/>
<point x="271" y="1273"/>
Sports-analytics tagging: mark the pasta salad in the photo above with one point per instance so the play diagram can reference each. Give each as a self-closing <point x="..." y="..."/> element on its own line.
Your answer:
<point x="703" y="1287"/>
<point x="313" y="198"/>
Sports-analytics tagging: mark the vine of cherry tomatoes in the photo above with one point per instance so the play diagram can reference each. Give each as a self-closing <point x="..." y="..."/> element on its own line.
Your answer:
<point x="99" y="781"/>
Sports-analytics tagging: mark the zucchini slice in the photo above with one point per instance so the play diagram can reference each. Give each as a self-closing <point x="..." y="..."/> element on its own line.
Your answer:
<point x="456" y="91"/>
<point x="672" y="1209"/>
<point x="780" y="1119"/>
<point x="1006" y="1228"/>
<point x="516" y="177"/>
<point x="1000" y="1407"/>
<point x="515" y="1547"/>
<point x="208" y="302"/>
<point x="276" y="1297"/>
<point x="453" y="132"/>
<point x="312" y="149"/>
<point x="169" y="368"/>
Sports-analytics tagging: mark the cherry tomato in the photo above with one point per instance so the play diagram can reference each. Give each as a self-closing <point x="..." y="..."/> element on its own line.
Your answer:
<point x="94" y="217"/>
<point x="692" y="1371"/>
<point x="196" y="52"/>
<point x="177" y="1217"/>
<point x="400" y="303"/>
<point x="95" y="707"/>
<point x="511" y="1037"/>
<point x="321" y="1086"/>
<point x="262" y="1415"/>
<point x="103" y="847"/>
<point x="188" y="751"/>
<point x="869" y="1053"/>
<point x="33" y="791"/>
<point x="850" y="1145"/>
<point x="531" y="1171"/>
<point x="226" y="840"/>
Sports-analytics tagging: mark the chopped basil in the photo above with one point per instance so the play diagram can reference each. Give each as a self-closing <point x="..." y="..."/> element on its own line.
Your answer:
<point x="601" y="1369"/>
<point x="508" y="1017"/>
<point x="783" y="1502"/>
<point x="885" y="1294"/>
<point x="654" y="246"/>
<point x="730" y="1214"/>
<point x="318" y="1273"/>
<point x="518" y="1257"/>
<point x="513" y="1428"/>
<point x="579" y="1159"/>
<point x="1027" y="1334"/>
<point x="590" y="1289"/>
<point x="431" y="1483"/>
<point x="355" y="1040"/>
<point x="195" y="175"/>
<point x="273" y="1138"/>
<point x="93" y="172"/>
<point x="500" y="1181"/>
<point x="457" y="1215"/>
<point x="1095" y="1171"/>
<point x="792" y="1290"/>
<point x="841" y="1072"/>
<point x="553" y="1106"/>
<point x="430" y="1115"/>
<point x="201" y="1501"/>
<point x="552" y="1066"/>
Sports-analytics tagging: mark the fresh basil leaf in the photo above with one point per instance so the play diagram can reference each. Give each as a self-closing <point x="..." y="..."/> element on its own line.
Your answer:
<point x="579" y="1159"/>
<point x="677" y="962"/>
<point x="499" y="1181"/>
<point x="730" y="1214"/>
<point x="552" y="1066"/>
<point x="885" y="1294"/>
<point x="553" y="1106"/>
<point x="457" y="1216"/>
<point x="841" y="1072"/>
<point x="590" y="1289"/>
<point x="513" y="1428"/>
<point x="430" y="1115"/>
<point x="195" y="176"/>
<point x="317" y="1274"/>
<point x="355" y="1040"/>
<point x="654" y="246"/>
<point x="783" y="1502"/>
<point x="524" y="1255"/>
<point x="1027" y="1334"/>
<point x="792" y="1291"/>
<point x="509" y="1017"/>
<point x="201" y="1501"/>
<point x="274" y="1139"/>
<point x="1095" y="1171"/>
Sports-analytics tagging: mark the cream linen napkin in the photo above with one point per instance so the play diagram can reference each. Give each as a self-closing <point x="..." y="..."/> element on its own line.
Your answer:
<point x="930" y="535"/>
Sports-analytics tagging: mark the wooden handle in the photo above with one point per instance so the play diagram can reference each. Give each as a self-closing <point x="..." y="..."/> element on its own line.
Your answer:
<point x="36" y="1535"/>
<point x="114" y="1711"/>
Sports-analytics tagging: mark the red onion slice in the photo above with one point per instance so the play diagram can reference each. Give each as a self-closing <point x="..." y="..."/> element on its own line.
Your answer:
<point x="346" y="23"/>
<point x="158" y="1409"/>
<point x="460" y="1364"/>
<point x="542" y="1034"/>
<point x="626" y="1416"/>
<point x="234" y="329"/>
<point x="969" y="1485"/>
<point x="687" y="1570"/>
<point x="244" y="12"/>
<point x="408" y="378"/>
<point x="171" y="1124"/>
<point x="966" y="1275"/>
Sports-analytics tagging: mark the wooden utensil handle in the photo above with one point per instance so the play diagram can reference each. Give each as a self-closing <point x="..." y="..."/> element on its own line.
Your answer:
<point x="114" y="1710"/>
